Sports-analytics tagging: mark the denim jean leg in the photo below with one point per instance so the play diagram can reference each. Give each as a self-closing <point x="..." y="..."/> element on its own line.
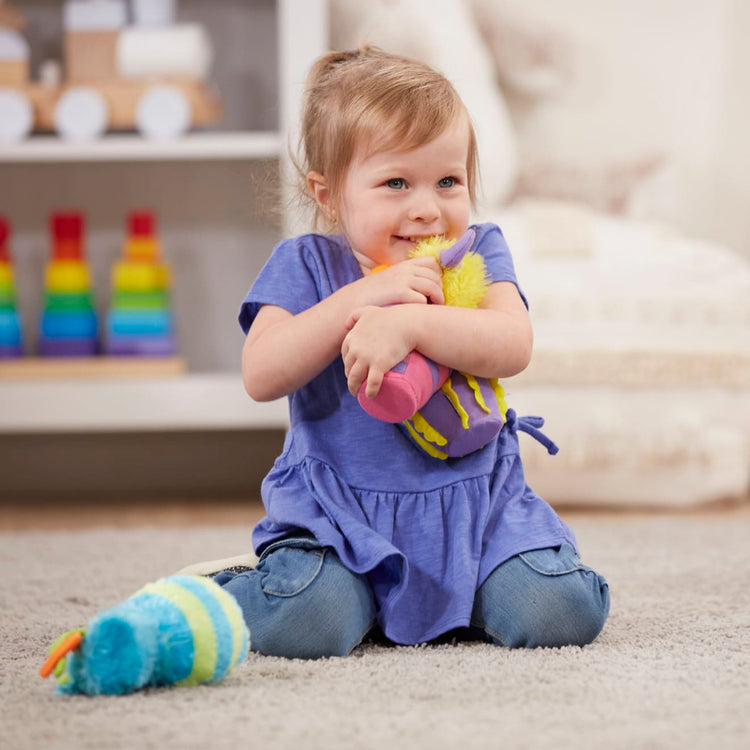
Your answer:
<point x="301" y="602"/>
<point x="546" y="597"/>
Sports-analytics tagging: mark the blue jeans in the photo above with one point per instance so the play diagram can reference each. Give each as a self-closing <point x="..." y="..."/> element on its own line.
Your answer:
<point x="301" y="602"/>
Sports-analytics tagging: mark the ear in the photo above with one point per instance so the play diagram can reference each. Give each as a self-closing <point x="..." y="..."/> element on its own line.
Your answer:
<point x="318" y="187"/>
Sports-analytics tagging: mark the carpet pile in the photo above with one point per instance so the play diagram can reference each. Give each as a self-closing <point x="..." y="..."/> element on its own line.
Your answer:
<point x="670" y="670"/>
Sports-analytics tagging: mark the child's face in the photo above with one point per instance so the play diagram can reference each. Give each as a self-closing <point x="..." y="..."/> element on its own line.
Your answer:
<point x="390" y="199"/>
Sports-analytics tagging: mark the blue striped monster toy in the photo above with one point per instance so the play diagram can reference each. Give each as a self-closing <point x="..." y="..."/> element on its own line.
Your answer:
<point x="181" y="630"/>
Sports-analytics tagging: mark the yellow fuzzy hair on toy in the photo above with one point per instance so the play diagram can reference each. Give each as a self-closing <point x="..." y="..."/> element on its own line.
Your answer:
<point x="464" y="285"/>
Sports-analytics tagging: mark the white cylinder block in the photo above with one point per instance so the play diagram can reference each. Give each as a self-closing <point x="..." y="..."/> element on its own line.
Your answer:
<point x="182" y="50"/>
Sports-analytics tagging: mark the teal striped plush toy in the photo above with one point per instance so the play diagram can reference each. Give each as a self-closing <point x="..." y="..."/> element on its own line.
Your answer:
<point x="181" y="630"/>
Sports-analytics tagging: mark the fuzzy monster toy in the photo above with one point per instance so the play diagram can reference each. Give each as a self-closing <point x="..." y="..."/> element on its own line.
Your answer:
<point x="447" y="414"/>
<point x="181" y="630"/>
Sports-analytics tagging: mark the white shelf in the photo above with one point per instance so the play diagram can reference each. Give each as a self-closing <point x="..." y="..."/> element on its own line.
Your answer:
<point x="189" y="402"/>
<point x="132" y="147"/>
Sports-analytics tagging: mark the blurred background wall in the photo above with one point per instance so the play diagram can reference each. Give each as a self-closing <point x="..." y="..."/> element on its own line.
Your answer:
<point x="640" y="107"/>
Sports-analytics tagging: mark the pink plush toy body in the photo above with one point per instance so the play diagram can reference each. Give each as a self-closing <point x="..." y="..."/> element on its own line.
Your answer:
<point x="405" y="389"/>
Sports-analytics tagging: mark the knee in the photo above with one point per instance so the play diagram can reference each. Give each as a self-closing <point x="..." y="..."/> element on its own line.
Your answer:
<point x="545" y="608"/>
<point x="570" y="611"/>
<point x="331" y="617"/>
<point x="307" y="605"/>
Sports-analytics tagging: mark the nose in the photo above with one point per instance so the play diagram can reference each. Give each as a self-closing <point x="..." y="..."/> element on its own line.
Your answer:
<point x="424" y="207"/>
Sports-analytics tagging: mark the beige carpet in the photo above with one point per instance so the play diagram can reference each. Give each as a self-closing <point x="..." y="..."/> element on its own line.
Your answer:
<point x="670" y="670"/>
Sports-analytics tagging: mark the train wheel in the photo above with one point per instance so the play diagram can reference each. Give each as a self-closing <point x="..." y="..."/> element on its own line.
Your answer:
<point x="163" y="112"/>
<point x="16" y="116"/>
<point x="81" y="114"/>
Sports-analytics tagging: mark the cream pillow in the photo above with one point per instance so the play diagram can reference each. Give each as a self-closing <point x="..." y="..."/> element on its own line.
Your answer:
<point x="618" y="105"/>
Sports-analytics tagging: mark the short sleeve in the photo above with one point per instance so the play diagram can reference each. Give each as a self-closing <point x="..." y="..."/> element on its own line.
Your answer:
<point x="290" y="278"/>
<point x="491" y="245"/>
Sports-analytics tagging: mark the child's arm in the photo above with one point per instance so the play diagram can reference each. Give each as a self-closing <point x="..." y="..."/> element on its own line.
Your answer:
<point x="282" y="351"/>
<point x="493" y="341"/>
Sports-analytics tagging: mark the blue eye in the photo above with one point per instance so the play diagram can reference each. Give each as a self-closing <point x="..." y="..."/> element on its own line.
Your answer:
<point x="396" y="183"/>
<point x="447" y="182"/>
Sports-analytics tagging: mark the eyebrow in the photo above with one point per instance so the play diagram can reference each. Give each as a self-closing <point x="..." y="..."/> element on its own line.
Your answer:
<point x="397" y="167"/>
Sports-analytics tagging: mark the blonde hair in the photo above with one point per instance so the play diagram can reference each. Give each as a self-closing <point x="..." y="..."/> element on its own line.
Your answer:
<point x="371" y="99"/>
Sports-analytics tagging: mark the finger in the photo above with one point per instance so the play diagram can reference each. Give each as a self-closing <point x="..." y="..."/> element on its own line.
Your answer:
<point x="436" y="294"/>
<point x="345" y="350"/>
<point x="431" y="290"/>
<point x="349" y="357"/>
<point x="429" y="270"/>
<point x="374" y="381"/>
<point x="357" y="376"/>
<point x="351" y="321"/>
<point x="427" y="261"/>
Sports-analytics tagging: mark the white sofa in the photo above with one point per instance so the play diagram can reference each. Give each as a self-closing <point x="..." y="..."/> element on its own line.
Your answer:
<point x="641" y="364"/>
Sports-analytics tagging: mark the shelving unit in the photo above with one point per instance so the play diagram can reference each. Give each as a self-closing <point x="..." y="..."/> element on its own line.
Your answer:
<point x="208" y="397"/>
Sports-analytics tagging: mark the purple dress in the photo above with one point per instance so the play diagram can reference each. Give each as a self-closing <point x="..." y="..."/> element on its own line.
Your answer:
<point x="427" y="532"/>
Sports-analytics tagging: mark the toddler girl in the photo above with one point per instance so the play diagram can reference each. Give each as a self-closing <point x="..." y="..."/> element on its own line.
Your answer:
<point x="364" y="531"/>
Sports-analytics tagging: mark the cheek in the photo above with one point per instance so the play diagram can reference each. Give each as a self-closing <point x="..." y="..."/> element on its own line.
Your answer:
<point x="355" y="221"/>
<point x="461" y="214"/>
<point x="369" y="218"/>
<point x="353" y="212"/>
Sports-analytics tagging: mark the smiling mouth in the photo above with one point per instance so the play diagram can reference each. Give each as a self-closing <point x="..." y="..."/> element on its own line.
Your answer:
<point x="413" y="238"/>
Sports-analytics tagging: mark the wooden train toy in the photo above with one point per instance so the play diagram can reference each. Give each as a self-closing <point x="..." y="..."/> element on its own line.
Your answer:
<point x="124" y="68"/>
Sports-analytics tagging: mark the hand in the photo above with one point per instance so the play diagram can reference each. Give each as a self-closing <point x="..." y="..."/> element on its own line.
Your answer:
<point x="378" y="339"/>
<point x="414" y="281"/>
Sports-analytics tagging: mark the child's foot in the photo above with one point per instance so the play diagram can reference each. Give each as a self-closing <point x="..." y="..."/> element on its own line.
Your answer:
<point x="210" y="568"/>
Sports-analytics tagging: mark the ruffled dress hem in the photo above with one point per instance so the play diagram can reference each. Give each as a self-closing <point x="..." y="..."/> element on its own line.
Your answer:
<point x="425" y="554"/>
